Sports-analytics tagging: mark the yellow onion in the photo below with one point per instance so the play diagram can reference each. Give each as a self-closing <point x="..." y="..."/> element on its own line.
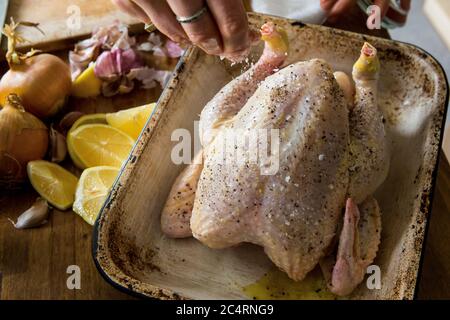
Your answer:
<point x="23" y="138"/>
<point x="42" y="81"/>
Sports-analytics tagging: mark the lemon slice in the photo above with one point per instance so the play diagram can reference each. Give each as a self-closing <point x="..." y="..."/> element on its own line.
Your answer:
<point x="98" y="145"/>
<point x="86" y="119"/>
<point x="92" y="191"/>
<point x="54" y="183"/>
<point x="131" y="121"/>
<point x="95" y="118"/>
<point x="87" y="84"/>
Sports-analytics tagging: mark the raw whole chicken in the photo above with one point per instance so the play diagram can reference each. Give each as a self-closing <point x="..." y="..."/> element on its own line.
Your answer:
<point x="332" y="155"/>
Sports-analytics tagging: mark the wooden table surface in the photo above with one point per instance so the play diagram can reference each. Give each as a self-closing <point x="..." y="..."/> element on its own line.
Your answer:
<point x="33" y="263"/>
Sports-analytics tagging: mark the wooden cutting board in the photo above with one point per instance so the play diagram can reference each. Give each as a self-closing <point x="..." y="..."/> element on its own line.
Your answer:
<point x="63" y="20"/>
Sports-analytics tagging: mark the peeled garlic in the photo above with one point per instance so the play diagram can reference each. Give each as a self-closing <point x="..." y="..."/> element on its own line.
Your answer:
<point x="34" y="217"/>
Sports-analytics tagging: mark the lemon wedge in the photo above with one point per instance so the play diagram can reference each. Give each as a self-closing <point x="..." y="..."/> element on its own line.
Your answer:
<point x="92" y="191"/>
<point x="99" y="145"/>
<point x="131" y="121"/>
<point x="87" y="84"/>
<point x="54" y="183"/>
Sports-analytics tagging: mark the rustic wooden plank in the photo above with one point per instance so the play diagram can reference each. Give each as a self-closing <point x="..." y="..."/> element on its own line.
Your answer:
<point x="33" y="261"/>
<point x="446" y="142"/>
<point x="435" y="277"/>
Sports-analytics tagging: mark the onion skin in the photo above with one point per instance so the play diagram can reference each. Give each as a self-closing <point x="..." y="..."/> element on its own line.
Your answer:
<point x="42" y="82"/>
<point x="23" y="138"/>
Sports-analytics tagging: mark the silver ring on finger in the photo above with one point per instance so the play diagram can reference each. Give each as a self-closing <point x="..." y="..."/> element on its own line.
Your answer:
<point x="150" y="27"/>
<point x="194" y="17"/>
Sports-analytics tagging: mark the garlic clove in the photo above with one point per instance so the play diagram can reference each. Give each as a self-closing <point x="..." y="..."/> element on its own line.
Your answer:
<point x="58" y="146"/>
<point x="35" y="216"/>
<point x="68" y="120"/>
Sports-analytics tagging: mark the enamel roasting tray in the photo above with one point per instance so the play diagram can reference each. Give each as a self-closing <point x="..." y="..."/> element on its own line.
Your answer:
<point x="132" y="253"/>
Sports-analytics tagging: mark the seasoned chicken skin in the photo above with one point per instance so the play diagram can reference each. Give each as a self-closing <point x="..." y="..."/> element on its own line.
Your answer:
<point x="330" y="156"/>
<point x="369" y="155"/>
<point x="176" y="215"/>
<point x="369" y="166"/>
<point x="293" y="214"/>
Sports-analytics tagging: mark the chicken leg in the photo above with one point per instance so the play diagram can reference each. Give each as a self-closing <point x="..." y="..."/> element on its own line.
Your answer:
<point x="369" y="155"/>
<point x="369" y="163"/>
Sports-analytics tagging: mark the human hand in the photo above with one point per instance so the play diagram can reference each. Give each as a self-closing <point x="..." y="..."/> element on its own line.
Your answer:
<point x="337" y="8"/>
<point x="221" y="30"/>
